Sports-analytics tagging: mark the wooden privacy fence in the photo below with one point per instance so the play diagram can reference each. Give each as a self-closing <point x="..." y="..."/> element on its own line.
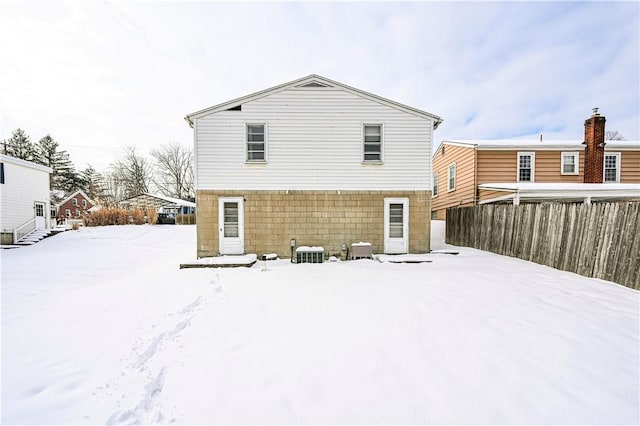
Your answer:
<point x="597" y="240"/>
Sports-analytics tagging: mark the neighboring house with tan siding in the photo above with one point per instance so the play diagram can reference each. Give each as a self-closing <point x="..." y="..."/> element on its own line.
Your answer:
<point x="314" y="161"/>
<point x="514" y="171"/>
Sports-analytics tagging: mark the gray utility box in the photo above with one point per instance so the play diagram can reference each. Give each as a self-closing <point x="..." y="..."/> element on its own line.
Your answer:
<point x="361" y="251"/>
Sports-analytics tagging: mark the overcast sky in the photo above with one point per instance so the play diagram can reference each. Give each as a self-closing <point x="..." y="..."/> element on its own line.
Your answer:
<point x="99" y="76"/>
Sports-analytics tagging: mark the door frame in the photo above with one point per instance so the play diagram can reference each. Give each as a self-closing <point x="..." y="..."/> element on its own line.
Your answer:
<point x="40" y="224"/>
<point x="237" y="247"/>
<point x="396" y="245"/>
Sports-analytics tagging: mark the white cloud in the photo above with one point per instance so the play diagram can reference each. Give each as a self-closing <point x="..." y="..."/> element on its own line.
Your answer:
<point x="100" y="76"/>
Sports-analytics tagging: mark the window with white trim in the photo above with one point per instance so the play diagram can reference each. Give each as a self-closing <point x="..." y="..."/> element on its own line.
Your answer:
<point x="75" y="202"/>
<point x="84" y="204"/>
<point x="256" y="142"/>
<point x="67" y="212"/>
<point x="77" y="212"/>
<point x="451" y="177"/>
<point x="612" y="167"/>
<point x="372" y="140"/>
<point x="526" y="166"/>
<point x="435" y="184"/>
<point x="569" y="163"/>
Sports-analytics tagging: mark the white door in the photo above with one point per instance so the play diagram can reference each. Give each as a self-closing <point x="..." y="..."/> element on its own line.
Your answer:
<point x="396" y="225"/>
<point x="231" y="225"/>
<point x="40" y="216"/>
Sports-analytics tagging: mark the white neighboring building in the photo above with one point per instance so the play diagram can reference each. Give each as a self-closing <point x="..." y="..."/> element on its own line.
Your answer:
<point x="24" y="198"/>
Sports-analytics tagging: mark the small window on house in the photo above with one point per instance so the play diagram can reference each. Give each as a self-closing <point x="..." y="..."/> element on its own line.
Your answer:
<point x="1" y="172"/>
<point x="372" y="142"/>
<point x="84" y="204"/>
<point x="442" y="153"/>
<point x="67" y="212"/>
<point x="256" y="143"/>
<point x="569" y="164"/>
<point x="451" y="177"/>
<point x="77" y="212"/>
<point x="612" y="167"/>
<point x="526" y="166"/>
<point x="75" y="202"/>
<point x="435" y="184"/>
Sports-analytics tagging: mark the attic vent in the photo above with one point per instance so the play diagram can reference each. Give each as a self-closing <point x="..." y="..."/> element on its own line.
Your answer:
<point x="235" y="108"/>
<point x="315" y="84"/>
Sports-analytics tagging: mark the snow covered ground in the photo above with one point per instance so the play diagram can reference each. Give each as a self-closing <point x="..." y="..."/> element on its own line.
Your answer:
<point x="100" y="326"/>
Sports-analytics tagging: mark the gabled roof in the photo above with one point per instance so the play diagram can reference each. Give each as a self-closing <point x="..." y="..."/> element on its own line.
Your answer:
<point x="13" y="160"/>
<point x="314" y="81"/>
<point x="73" y="194"/>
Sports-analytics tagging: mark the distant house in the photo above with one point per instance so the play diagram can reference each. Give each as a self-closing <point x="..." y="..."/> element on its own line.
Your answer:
<point x="312" y="162"/>
<point x="162" y="204"/>
<point x="471" y="172"/>
<point x="24" y="198"/>
<point x="74" y="206"/>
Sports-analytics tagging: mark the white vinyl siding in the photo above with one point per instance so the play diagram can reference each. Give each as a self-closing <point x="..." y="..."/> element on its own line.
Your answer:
<point x="526" y="166"/>
<point x="314" y="141"/>
<point x="569" y="163"/>
<point x="25" y="184"/>
<point x="611" y="167"/>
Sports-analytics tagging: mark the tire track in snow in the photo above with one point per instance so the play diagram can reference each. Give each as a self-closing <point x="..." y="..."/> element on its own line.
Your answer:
<point x="148" y="410"/>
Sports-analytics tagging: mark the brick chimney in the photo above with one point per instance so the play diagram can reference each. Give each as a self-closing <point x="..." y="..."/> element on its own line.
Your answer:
<point x="594" y="149"/>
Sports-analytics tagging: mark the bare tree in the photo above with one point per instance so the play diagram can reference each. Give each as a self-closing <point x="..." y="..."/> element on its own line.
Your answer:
<point x="132" y="173"/>
<point x="112" y="189"/>
<point x="613" y="135"/>
<point x="174" y="170"/>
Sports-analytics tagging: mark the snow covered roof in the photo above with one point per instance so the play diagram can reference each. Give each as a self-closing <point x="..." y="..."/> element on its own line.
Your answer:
<point x="19" y="162"/>
<point x="312" y="80"/>
<point x="561" y="191"/>
<point x="73" y="194"/>
<point x="533" y="144"/>
<point x="158" y="199"/>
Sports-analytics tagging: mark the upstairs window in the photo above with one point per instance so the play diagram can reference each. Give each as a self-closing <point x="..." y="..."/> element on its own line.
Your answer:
<point x="569" y="164"/>
<point x="451" y="177"/>
<point x="75" y="202"/>
<point x="256" y="143"/>
<point x="435" y="184"/>
<point x="84" y="204"/>
<point x="612" y="167"/>
<point x="372" y="143"/>
<point x="67" y="212"/>
<point x="526" y="166"/>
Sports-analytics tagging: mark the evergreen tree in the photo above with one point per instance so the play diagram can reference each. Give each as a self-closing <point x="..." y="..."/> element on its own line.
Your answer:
<point x="19" y="146"/>
<point x="93" y="183"/>
<point x="67" y="179"/>
<point x="64" y="176"/>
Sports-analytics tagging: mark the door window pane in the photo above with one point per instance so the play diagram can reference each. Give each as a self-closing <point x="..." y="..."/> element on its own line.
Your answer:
<point x="231" y="219"/>
<point x="396" y="220"/>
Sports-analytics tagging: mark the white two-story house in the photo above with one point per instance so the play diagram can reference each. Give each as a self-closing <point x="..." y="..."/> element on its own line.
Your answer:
<point x="314" y="161"/>
<point x="24" y="198"/>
